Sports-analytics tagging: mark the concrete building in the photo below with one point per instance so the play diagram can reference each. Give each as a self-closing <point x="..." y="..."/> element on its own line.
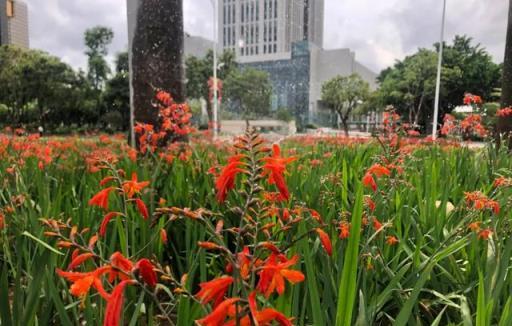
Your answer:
<point x="259" y="30"/>
<point x="285" y="39"/>
<point x="14" y="23"/>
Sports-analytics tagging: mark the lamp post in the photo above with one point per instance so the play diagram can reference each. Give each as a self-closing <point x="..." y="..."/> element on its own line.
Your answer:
<point x="215" y="86"/>
<point x="438" y="80"/>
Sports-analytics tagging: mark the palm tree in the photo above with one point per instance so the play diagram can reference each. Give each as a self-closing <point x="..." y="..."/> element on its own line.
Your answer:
<point x="504" y="125"/>
<point x="157" y="61"/>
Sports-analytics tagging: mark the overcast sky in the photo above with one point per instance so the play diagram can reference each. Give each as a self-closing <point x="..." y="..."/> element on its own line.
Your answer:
<point x="379" y="31"/>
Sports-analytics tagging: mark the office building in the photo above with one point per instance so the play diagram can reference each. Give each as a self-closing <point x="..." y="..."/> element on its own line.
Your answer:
<point x="259" y="30"/>
<point x="14" y="23"/>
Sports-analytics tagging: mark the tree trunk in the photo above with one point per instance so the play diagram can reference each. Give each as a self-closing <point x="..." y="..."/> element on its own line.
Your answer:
<point x="157" y="55"/>
<point x="344" y="122"/>
<point x="504" y="125"/>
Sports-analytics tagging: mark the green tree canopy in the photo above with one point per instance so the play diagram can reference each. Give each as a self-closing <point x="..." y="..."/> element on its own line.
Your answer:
<point x="250" y="91"/>
<point x="344" y="94"/>
<point x="97" y="40"/>
<point x="35" y="85"/>
<point x="200" y="70"/>
<point x="410" y="84"/>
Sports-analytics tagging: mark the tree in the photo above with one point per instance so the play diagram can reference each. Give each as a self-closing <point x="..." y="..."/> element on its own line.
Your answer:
<point x="344" y="94"/>
<point x="35" y="86"/>
<point x="249" y="90"/>
<point x="97" y="40"/>
<point x="157" y="56"/>
<point x="200" y="70"/>
<point x="410" y="84"/>
<point x="116" y="96"/>
<point x="504" y="125"/>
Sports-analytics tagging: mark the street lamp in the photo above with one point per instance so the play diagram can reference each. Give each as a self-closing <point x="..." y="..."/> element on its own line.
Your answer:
<point x="438" y="80"/>
<point x="215" y="67"/>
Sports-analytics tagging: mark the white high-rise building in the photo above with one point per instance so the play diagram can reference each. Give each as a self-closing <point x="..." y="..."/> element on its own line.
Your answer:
<point x="265" y="29"/>
<point x="14" y="23"/>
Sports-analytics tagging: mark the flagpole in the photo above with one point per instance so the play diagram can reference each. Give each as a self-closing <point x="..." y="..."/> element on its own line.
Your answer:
<point x="438" y="79"/>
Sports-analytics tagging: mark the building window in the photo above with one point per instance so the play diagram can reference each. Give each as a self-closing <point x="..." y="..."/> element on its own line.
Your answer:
<point x="10" y="8"/>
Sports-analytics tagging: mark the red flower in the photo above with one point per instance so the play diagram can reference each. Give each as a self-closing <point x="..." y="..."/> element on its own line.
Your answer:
<point x="376" y="224"/>
<point x="505" y="112"/>
<point x="122" y="267"/>
<point x="226" y="180"/>
<point x="147" y="272"/>
<point x="219" y="314"/>
<point x="369" y="203"/>
<point x="214" y="290"/>
<point x="106" y="220"/>
<point x="326" y="241"/>
<point x="101" y="198"/>
<point x="275" y="271"/>
<point x="485" y="234"/>
<point x="143" y="210"/>
<point x="133" y="187"/>
<point x="369" y="181"/>
<point x="115" y="304"/>
<point x="275" y="168"/>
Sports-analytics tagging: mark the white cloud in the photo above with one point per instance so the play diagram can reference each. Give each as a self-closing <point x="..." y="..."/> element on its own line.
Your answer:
<point x="379" y="31"/>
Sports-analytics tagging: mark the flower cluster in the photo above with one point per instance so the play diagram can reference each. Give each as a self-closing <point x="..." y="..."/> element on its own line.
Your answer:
<point x="260" y="264"/>
<point x="174" y="123"/>
<point x="505" y="112"/>
<point x="472" y="99"/>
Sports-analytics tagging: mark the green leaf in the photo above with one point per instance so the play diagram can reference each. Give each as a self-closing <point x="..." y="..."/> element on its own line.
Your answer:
<point x="41" y="242"/>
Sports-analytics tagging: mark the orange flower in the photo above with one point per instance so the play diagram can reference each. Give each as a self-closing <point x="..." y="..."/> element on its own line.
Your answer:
<point x="475" y="226"/>
<point x="101" y="198"/>
<point x="379" y="170"/>
<point x="391" y="240"/>
<point x="264" y="317"/>
<point x="163" y="236"/>
<point x="275" y="168"/>
<point x="369" y="181"/>
<point x="226" y="179"/>
<point x="78" y="260"/>
<point x="82" y="282"/>
<point x="214" y="290"/>
<point x="479" y="202"/>
<point x="115" y="304"/>
<point x="485" y="234"/>
<point x="344" y="230"/>
<point x="219" y="314"/>
<point x="244" y="262"/>
<point x="326" y="241"/>
<point x="209" y="245"/>
<point x="147" y="272"/>
<point x="2" y="221"/>
<point x="133" y="187"/>
<point x="275" y="271"/>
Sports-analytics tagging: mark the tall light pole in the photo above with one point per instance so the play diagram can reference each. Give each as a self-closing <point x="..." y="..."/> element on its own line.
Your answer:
<point x="215" y="86"/>
<point x="438" y="80"/>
